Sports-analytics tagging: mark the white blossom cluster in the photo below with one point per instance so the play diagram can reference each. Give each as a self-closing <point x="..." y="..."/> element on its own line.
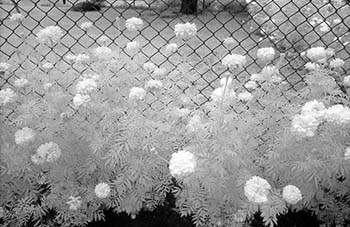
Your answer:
<point x="337" y="114"/>
<point x="134" y="24"/>
<point x="103" y="53"/>
<point x="24" y="135"/>
<point x="245" y="96"/>
<point x="256" y="189"/>
<point x="182" y="163"/>
<point x="234" y="61"/>
<point x="266" y="54"/>
<point x="137" y="93"/>
<point x="84" y="88"/>
<point x="47" y="152"/>
<point x="319" y="54"/>
<point x="185" y="31"/>
<point x="50" y="35"/>
<point x="291" y="194"/>
<point x="7" y="95"/>
<point x="21" y="82"/>
<point x="74" y="202"/>
<point x="133" y="47"/>
<point x="311" y="66"/>
<point x="102" y="190"/>
<point x="149" y="67"/>
<point x="172" y="47"/>
<point x="269" y="73"/>
<point x="336" y="63"/>
<point x="223" y="95"/>
<point x="80" y="58"/>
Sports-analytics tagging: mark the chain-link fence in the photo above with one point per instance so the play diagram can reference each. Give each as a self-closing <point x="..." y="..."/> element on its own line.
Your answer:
<point x="289" y="26"/>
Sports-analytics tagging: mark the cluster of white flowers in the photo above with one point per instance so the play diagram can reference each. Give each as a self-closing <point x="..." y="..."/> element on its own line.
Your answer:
<point x="50" y="35"/>
<point x="86" y="86"/>
<point x="153" y="84"/>
<point x="21" y="82"/>
<point x="81" y="100"/>
<point x="74" y="202"/>
<point x="182" y="163"/>
<point x="149" y="67"/>
<point x="7" y="95"/>
<point x="185" y="31"/>
<point x="4" y="66"/>
<point x="324" y="26"/>
<point x="337" y="114"/>
<point x="17" y="17"/>
<point x="134" y="24"/>
<point x="218" y="95"/>
<point x="346" y="81"/>
<point x="319" y="54"/>
<point x="257" y="189"/>
<point x="133" y="47"/>
<point x="103" y="53"/>
<point x="234" y="61"/>
<point x="266" y="54"/>
<point x="230" y="43"/>
<point x="47" y="152"/>
<point x="172" y="47"/>
<point x="251" y="85"/>
<point x="268" y="73"/>
<point x="336" y="63"/>
<point x="102" y="190"/>
<point x="80" y="58"/>
<point x="291" y="194"/>
<point x="347" y="154"/>
<point x="86" y="25"/>
<point x="245" y="96"/>
<point x="311" y="66"/>
<point x="137" y="93"/>
<point x="24" y="135"/>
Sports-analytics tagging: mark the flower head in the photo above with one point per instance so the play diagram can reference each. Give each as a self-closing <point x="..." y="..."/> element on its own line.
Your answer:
<point x="49" y="151"/>
<point x="266" y="54"/>
<point x="182" y="163"/>
<point x="137" y="93"/>
<point x="81" y="100"/>
<point x="311" y="66"/>
<point x="234" y="60"/>
<point x="133" y="24"/>
<point x="149" y="67"/>
<point x="304" y="125"/>
<point x="50" y="35"/>
<point x="337" y="114"/>
<point x="4" y="66"/>
<point x="291" y="194"/>
<point x="22" y="82"/>
<point x="218" y="95"/>
<point x="103" y="53"/>
<point x="257" y="189"/>
<point x="313" y="108"/>
<point x="102" y="190"/>
<point x="336" y="63"/>
<point x="84" y="58"/>
<point x="251" y="85"/>
<point x="172" y="47"/>
<point x="24" y="135"/>
<point x="185" y="31"/>
<point x="86" y="86"/>
<point x="86" y="25"/>
<point x="317" y="54"/>
<point x="133" y="47"/>
<point x="7" y="96"/>
<point x="245" y="96"/>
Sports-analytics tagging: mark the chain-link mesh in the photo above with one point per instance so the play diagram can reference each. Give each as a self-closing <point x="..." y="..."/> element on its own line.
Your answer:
<point x="290" y="26"/>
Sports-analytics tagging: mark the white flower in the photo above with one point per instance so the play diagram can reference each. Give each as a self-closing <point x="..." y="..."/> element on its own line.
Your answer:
<point x="304" y="125"/>
<point x="223" y="81"/>
<point x="86" y="25"/>
<point x="86" y="86"/>
<point x="230" y="42"/>
<point x="346" y="81"/>
<point x="17" y="17"/>
<point x="133" y="47"/>
<point x="337" y="114"/>
<point x="103" y="39"/>
<point x="7" y="96"/>
<point x="257" y="189"/>
<point x="22" y="82"/>
<point x="103" y="53"/>
<point x="48" y="65"/>
<point x="4" y="66"/>
<point x="133" y="24"/>
<point x="324" y="27"/>
<point x="347" y="154"/>
<point x="291" y="194"/>
<point x="266" y="54"/>
<point x="74" y="202"/>
<point x="50" y="35"/>
<point x="137" y="93"/>
<point x="81" y="58"/>
<point x="251" y="85"/>
<point x="102" y="190"/>
<point x="268" y="73"/>
<point x="38" y="159"/>
<point x="172" y="47"/>
<point x="185" y="31"/>
<point x="245" y="96"/>
<point x="80" y="99"/>
<point x="70" y="57"/>
<point x="159" y="72"/>
<point x="234" y="60"/>
<point x="311" y="66"/>
<point x="49" y="151"/>
<point x="182" y="163"/>
<point x="149" y="67"/>
<point x="317" y="54"/>
<point x="336" y="63"/>
<point x="153" y="84"/>
<point x="24" y="135"/>
<point x="47" y="86"/>
<point x="313" y="108"/>
<point x="218" y="95"/>
<point x="330" y="52"/>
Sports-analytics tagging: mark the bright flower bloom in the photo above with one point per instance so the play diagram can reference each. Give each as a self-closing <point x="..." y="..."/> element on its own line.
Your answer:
<point x="24" y="135"/>
<point x="317" y="54"/>
<point x="81" y="58"/>
<point x="234" y="60"/>
<point x="4" y="66"/>
<point x="313" y="108"/>
<point x="149" y="67"/>
<point x="229" y="43"/>
<point x="257" y="189"/>
<point x="133" y="47"/>
<point x="311" y="66"/>
<point x="49" y="151"/>
<point x="218" y="95"/>
<point x="137" y="93"/>
<point x="347" y="154"/>
<point x="7" y="96"/>
<point x="103" y="53"/>
<point x="153" y="84"/>
<point x="268" y="73"/>
<point x="74" y="202"/>
<point x="185" y="31"/>
<point x="245" y="96"/>
<point x="266" y="54"/>
<point x="251" y="85"/>
<point x="223" y="81"/>
<point x="346" y="81"/>
<point x="291" y="194"/>
<point x="22" y="82"/>
<point x="17" y="17"/>
<point x="81" y="100"/>
<point x="50" y="35"/>
<point x="304" y="125"/>
<point x="86" y="25"/>
<point x="336" y="63"/>
<point x="102" y="190"/>
<point x="86" y="86"/>
<point x="133" y="24"/>
<point x="337" y="114"/>
<point x="182" y="163"/>
<point x="172" y="47"/>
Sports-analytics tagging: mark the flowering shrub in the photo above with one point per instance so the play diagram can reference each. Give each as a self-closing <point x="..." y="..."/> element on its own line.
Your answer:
<point x="123" y="142"/>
